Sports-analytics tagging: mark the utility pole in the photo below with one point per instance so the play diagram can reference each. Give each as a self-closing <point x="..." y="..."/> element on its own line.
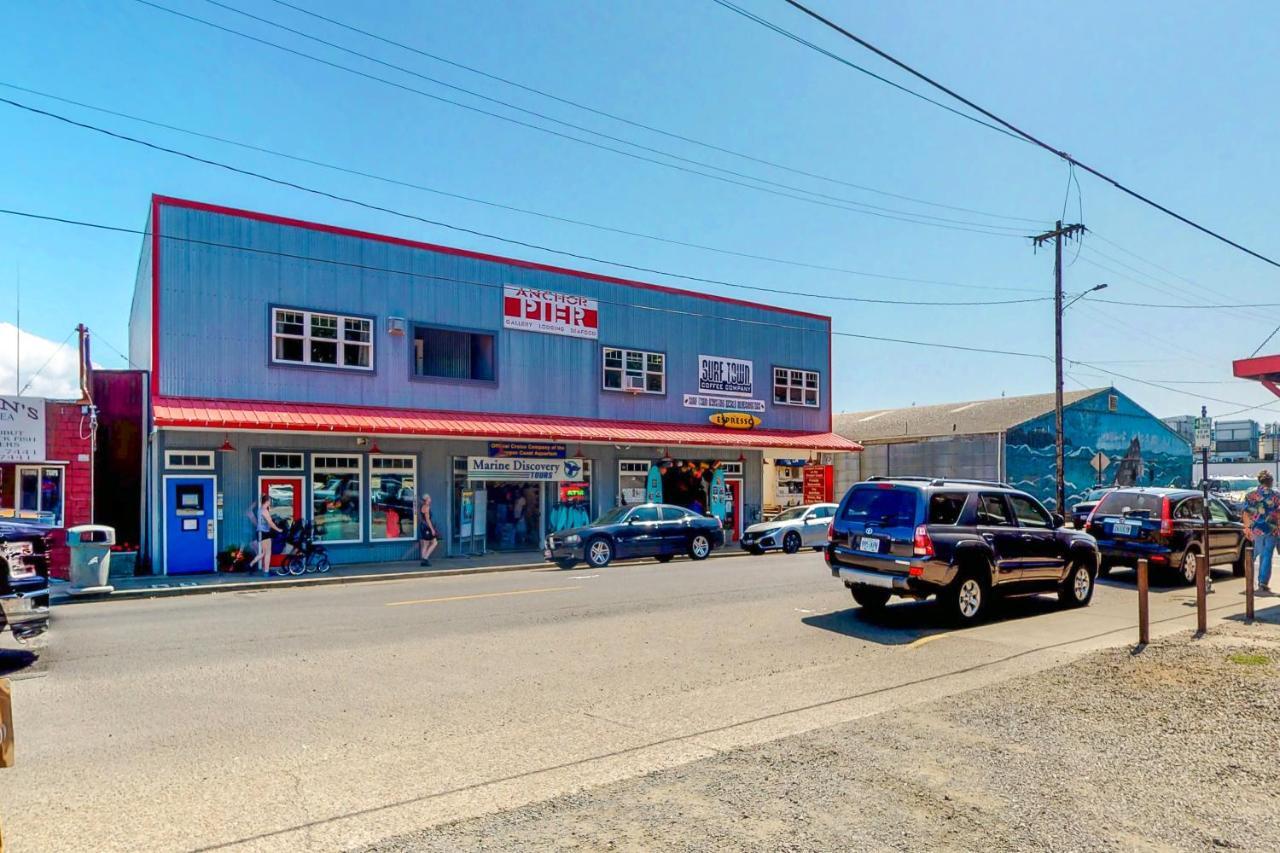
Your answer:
<point x="1056" y="236"/>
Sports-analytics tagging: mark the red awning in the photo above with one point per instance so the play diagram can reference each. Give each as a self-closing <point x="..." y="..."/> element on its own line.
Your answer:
<point x="198" y="413"/>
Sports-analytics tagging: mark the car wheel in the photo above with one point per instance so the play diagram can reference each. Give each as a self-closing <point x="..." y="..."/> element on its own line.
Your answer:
<point x="870" y="598"/>
<point x="819" y="548"/>
<point x="699" y="547"/>
<point x="566" y="563"/>
<point x="791" y="542"/>
<point x="663" y="558"/>
<point x="599" y="552"/>
<point x="1187" y="568"/>
<point x="1077" y="589"/>
<point x="965" y="601"/>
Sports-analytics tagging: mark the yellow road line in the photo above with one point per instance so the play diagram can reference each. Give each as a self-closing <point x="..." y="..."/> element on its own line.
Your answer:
<point x="480" y="595"/>
<point x="915" y="644"/>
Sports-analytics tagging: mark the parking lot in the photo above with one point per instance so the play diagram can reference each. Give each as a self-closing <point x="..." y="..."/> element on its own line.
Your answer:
<point x="336" y="716"/>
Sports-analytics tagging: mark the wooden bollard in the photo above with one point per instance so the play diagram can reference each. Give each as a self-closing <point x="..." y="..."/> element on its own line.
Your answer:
<point x="1144" y="613"/>
<point x="1248" y="582"/>
<point x="1202" y="604"/>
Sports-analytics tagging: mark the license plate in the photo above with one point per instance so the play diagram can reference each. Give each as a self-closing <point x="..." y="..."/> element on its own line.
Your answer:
<point x="869" y="543"/>
<point x="1122" y="529"/>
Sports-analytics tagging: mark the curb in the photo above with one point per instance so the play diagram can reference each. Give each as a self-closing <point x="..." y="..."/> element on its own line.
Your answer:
<point x="322" y="580"/>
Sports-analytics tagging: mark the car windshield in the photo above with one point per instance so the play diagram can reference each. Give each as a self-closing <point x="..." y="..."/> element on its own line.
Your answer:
<point x="792" y="514"/>
<point x="1129" y="503"/>
<point x="613" y="516"/>
<point x="887" y="505"/>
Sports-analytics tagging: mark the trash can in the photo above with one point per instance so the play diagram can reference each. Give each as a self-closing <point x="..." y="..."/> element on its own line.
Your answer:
<point x="90" y="547"/>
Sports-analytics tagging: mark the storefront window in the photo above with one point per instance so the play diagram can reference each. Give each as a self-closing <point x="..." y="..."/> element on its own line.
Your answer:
<point x="335" y="497"/>
<point x="571" y="504"/>
<point x="632" y="476"/>
<point x="392" y="497"/>
<point x="40" y="492"/>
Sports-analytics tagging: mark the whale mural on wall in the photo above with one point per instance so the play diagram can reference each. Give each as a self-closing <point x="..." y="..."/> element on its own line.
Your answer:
<point x="1142" y="450"/>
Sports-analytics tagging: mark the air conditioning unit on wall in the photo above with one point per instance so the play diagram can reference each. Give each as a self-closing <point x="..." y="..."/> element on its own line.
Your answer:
<point x="633" y="384"/>
<point x="395" y="327"/>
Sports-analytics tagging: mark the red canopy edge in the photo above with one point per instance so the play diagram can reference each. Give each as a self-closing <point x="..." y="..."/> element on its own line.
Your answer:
<point x="198" y="413"/>
<point x="1264" y="369"/>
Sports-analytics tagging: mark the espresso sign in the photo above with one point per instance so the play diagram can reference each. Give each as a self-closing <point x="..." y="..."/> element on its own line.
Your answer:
<point x="719" y="375"/>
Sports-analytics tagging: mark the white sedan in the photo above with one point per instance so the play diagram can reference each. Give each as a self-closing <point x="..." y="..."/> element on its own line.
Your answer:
<point x="793" y="529"/>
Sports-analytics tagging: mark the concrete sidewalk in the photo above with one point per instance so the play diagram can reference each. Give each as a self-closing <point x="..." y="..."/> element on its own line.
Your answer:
<point x="155" y="586"/>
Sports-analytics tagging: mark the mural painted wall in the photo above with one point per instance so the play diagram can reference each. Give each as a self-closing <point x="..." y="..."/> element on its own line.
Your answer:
<point x="1140" y="448"/>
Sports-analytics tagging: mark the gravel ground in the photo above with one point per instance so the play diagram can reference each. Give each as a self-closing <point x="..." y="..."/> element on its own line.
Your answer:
<point x="1173" y="748"/>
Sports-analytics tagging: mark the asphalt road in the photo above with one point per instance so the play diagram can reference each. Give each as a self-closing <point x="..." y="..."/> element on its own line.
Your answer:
<point x="326" y="718"/>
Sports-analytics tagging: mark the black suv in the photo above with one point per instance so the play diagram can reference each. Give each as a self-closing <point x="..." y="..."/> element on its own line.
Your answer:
<point x="960" y="540"/>
<point x="1167" y="527"/>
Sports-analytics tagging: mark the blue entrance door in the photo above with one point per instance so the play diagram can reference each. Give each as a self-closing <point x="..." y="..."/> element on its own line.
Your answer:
<point x="190" y="540"/>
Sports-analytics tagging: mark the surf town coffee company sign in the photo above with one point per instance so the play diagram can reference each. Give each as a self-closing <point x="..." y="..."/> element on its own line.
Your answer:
<point x="720" y="375"/>
<point x="21" y="429"/>
<point x="516" y="468"/>
<point x="531" y="310"/>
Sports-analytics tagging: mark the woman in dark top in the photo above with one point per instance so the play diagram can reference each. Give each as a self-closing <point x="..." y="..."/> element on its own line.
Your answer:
<point x="427" y="539"/>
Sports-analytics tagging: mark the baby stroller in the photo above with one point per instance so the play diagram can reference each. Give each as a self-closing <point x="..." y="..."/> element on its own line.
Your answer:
<point x="302" y="552"/>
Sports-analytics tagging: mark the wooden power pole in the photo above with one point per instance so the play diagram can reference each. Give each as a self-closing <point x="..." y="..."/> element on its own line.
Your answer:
<point x="1056" y="236"/>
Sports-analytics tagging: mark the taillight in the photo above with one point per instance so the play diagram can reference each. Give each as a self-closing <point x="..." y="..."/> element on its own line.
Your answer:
<point x="922" y="545"/>
<point x="1166" y="518"/>
<point x="831" y="532"/>
<point x="1088" y="522"/>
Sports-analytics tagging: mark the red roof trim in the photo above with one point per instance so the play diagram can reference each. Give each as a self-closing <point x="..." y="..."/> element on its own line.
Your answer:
<point x="197" y="413"/>
<point x="1262" y="367"/>
<point x="466" y="253"/>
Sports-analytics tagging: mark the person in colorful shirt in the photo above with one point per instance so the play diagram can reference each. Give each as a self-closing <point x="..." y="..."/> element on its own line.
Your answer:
<point x="1262" y="524"/>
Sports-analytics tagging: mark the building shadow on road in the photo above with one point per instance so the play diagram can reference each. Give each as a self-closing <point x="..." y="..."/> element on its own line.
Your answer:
<point x="904" y="622"/>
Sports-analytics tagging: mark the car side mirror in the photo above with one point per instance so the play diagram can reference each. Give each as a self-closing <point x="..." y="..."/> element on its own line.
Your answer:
<point x="1058" y="520"/>
<point x="632" y="520"/>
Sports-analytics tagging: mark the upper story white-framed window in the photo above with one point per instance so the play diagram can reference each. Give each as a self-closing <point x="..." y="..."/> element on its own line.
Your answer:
<point x="634" y="371"/>
<point x="320" y="339"/>
<point x="198" y="460"/>
<point x="793" y="387"/>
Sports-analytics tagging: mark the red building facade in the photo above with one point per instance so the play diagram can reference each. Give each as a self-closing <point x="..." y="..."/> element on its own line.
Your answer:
<point x="61" y="484"/>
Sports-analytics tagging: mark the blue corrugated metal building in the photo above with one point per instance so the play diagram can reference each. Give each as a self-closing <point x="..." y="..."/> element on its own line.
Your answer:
<point x="343" y="374"/>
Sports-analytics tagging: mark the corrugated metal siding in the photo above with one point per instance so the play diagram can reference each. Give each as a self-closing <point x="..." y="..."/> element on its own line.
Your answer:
<point x="964" y="456"/>
<point x="140" y="309"/>
<point x="215" y="338"/>
<point x="237" y="480"/>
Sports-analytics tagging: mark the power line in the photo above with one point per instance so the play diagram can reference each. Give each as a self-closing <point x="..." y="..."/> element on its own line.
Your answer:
<point x="380" y="208"/>
<point x="1169" y="388"/>
<point x="492" y="286"/>
<point x="639" y="124"/>
<point x="810" y="196"/>
<point x="788" y="34"/>
<point x="1046" y="146"/>
<point x="497" y="205"/>
<point x="47" y="362"/>
<point x="116" y="350"/>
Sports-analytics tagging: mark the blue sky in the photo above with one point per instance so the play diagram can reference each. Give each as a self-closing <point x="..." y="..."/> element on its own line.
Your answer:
<point x="1164" y="96"/>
